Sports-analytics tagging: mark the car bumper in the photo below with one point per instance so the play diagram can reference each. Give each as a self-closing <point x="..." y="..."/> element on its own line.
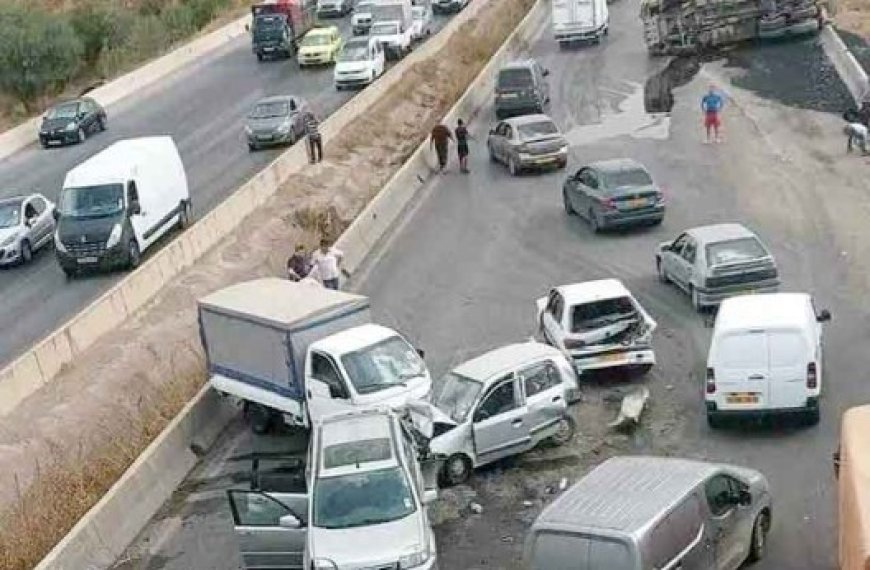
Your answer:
<point x="811" y="405"/>
<point x="579" y="34"/>
<point x="510" y="107"/>
<point x="269" y="140"/>
<point x="10" y="255"/>
<point x="714" y="296"/>
<point x="111" y="258"/>
<point x="269" y="49"/>
<point x="613" y="359"/>
<point x="311" y="59"/>
<point x="353" y="81"/>
<point x="543" y="160"/>
<point x="65" y="137"/>
<point x="629" y="218"/>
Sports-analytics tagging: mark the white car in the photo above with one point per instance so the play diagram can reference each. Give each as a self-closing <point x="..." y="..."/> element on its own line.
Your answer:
<point x="26" y="225"/>
<point x="395" y="40"/>
<point x="422" y="21"/>
<point x="446" y="6"/>
<point x="598" y="324"/>
<point x="360" y="62"/>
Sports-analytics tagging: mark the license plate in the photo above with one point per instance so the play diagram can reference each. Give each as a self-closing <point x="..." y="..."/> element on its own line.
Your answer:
<point x="88" y="260"/>
<point x="264" y="137"/>
<point x="544" y="160"/>
<point x="508" y="95"/>
<point x="53" y="142"/>
<point x="636" y="203"/>
<point x="269" y="49"/>
<point x="742" y="398"/>
<point x="610" y="357"/>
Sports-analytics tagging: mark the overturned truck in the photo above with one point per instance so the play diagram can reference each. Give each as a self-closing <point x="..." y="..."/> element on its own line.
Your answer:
<point x="675" y="27"/>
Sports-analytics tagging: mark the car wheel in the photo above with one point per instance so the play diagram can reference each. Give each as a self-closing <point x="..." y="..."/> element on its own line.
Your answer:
<point x="259" y="417"/>
<point x="696" y="299"/>
<point x="82" y="135"/>
<point x="569" y="209"/>
<point x="69" y="272"/>
<point x="714" y="421"/>
<point x="759" y="537"/>
<point x="185" y="217"/>
<point x="259" y="57"/>
<point x="26" y="252"/>
<point x="565" y="430"/>
<point x="812" y="417"/>
<point x="101" y="123"/>
<point x="252" y="147"/>
<point x="491" y="153"/>
<point x="662" y="273"/>
<point x="456" y="470"/>
<point x="134" y="256"/>
<point x="513" y="167"/>
<point x="594" y="222"/>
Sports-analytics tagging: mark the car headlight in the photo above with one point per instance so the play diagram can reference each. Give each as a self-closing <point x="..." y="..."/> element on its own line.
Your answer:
<point x="283" y="127"/>
<point x="58" y="245"/>
<point x="563" y="150"/>
<point x="524" y="155"/>
<point x="114" y="237"/>
<point x="414" y="559"/>
<point x="324" y="564"/>
<point x="9" y="240"/>
<point x="71" y="126"/>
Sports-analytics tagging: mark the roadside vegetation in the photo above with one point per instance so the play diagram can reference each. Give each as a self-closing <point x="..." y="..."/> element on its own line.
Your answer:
<point x="854" y="16"/>
<point x="54" y="48"/>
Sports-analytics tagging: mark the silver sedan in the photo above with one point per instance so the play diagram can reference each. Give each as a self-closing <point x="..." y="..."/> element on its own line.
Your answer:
<point x="527" y="142"/>
<point x="26" y="224"/>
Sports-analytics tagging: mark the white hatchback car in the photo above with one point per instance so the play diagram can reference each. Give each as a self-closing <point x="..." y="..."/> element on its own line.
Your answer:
<point x="598" y="324"/>
<point x="26" y="224"/>
<point x="361" y="61"/>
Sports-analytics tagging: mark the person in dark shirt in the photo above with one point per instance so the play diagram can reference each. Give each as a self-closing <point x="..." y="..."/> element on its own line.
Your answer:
<point x="440" y="138"/>
<point x="462" y="136"/>
<point x="298" y="264"/>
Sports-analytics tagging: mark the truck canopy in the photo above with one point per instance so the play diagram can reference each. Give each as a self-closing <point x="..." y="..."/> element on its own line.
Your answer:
<point x="300" y="13"/>
<point x="854" y="490"/>
<point x="258" y="332"/>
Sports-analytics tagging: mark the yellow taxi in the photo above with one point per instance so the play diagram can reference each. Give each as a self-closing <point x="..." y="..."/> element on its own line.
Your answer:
<point x="319" y="46"/>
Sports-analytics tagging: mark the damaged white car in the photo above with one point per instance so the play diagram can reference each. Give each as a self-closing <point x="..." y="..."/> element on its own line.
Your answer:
<point x="598" y="324"/>
<point x="502" y="403"/>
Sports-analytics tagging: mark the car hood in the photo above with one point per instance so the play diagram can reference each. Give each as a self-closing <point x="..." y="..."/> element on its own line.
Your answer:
<point x="368" y="546"/>
<point x="424" y="415"/>
<point x="72" y="230"/>
<point x="267" y="124"/>
<point x="314" y="50"/>
<point x="6" y="232"/>
<point x="55" y="124"/>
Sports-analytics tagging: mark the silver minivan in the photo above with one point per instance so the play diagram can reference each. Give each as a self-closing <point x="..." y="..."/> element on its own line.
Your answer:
<point x="642" y="513"/>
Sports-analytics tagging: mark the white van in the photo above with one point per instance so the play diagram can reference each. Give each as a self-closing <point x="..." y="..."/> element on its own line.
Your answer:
<point x="119" y="202"/>
<point x="580" y="20"/>
<point x="765" y="357"/>
<point x="359" y="63"/>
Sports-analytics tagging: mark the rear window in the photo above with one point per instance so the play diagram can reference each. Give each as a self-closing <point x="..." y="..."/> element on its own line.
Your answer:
<point x="600" y="313"/>
<point x="786" y="349"/>
<point x="537" y="129"/>
<point x="743" y="351"/>
<point x="627" y="178"/>
<point x="562" y="551"/>
<point x="356" y="452"/>
<point x="734" y="251"/>
<point x="514" y="79"/>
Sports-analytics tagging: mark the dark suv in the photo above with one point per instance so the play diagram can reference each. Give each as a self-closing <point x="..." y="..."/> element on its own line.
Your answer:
<point x="521" y="89"/>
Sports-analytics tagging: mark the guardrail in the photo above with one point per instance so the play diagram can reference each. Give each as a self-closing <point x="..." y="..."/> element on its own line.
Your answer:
<point x="848" y="68"/>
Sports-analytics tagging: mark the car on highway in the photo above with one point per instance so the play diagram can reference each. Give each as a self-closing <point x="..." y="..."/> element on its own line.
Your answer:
<point x="275" y="120"/>
<point x="423" y="16"/>
<point x="361" y="20"/>
<point x="527" y="142"/>
<point x="360" y="62"/>
<point x="72" y="122"/>
<point x="598" y="325"/>
<point x="334" y="8"/>
<point x="272" y="35"/>
<point x="766" y="357"/>
<point x="637" y="513"/>
<point x="395" y="40"/>
<point x="446" y="6"/>
<point x="712" y="263"/>
<point x="521" y="88"/>
<point x="320" y="46"/>
<point x="501" y="403"/>
<point x="27" y="224"/>
<point x="614" y="193"/>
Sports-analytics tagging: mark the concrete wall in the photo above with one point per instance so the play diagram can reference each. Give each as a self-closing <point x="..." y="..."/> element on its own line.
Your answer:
<point x="103" y="534"/>
<point x="848" y="68"/>
<point x="15" y="139"/>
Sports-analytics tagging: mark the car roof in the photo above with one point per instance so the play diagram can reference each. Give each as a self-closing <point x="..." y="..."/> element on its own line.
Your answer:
<point x="491" y="364"/>
<point x="591" y="291"/>
<point x="275" y="99"/>
<point x="767" y="310"/>
<point x="353" y="427"/>
<point x="353" y="339"/>
<point x="625" y="494"/>
<point x="518" y="64"/>
<point x="527" y="119"/>
<point x="120" y="161"/>
<point x="720" y="232"/>
<point x="617" y="165"/>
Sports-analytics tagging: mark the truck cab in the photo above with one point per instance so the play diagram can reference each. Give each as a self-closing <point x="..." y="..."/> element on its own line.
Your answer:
<point x="277" y="26"/>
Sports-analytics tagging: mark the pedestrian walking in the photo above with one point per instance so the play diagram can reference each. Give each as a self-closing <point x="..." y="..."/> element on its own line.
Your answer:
<point x="327" y="262"/>
<point x="315" y="142"/>
<point x="856" y="134"/>
<point x="711" y="106"/>
<point x="298" y="264"/>
<point x="462" y="136"/>
<point x="440" y="138"/>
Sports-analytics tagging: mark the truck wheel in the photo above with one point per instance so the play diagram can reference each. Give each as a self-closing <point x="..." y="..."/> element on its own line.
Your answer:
<point x="134" y="256"/>
<point x="759" y="537"/>
<point x="259" y="56"/>
<point x="260" y="417"/>
<point x="564" y="432"/>
<point x="185" y="216"/>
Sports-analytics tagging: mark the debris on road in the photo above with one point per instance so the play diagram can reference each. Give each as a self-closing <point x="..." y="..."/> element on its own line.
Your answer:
<point x="476" y="508"/>
<point x="632" y="407"/>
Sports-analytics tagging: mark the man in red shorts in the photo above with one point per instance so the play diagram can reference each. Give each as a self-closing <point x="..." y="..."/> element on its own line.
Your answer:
<point x="711" y="106"/>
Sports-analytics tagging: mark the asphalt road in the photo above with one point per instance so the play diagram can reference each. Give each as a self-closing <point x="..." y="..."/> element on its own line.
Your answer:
<point x="462" y="274"/>
<point x="202" y="108"/>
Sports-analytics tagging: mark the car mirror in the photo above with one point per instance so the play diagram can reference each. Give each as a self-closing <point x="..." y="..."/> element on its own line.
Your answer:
<point x="744" y="498"/>
<point x="318" y="388"/>
<point x="824" y="316"/>
<point x="545" y="72"/>
<point x="481" y="415"/>
<point x="421" y="352"/>
<point x="135" y="209"/>
<point x="55" y="214"/>
<point x="290" y="521"/>
<point x="430" y="496"/>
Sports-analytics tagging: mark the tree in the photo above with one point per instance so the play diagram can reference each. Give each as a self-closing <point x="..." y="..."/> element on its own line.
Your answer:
<point x="40" y="52"/>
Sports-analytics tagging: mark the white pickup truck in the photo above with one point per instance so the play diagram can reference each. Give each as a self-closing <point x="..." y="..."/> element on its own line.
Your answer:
<point x="393" y="26"/>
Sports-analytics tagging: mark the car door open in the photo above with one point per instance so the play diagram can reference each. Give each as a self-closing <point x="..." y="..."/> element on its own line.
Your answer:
<point x="545" y="398"/>
<point x="500" y="422"/>
<point x="271" y="533"/>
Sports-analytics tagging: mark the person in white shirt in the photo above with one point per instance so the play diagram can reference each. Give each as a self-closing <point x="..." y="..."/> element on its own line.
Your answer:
<point x="857" y="134"/>
<point x="327" y="262"/>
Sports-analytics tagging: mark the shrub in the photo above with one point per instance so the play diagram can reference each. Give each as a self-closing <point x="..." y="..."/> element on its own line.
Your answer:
<point x="40" y="52"/>
<point x="100" y="26"/>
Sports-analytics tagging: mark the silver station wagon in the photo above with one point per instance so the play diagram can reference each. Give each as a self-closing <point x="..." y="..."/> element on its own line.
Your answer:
<point x="712" y="263"/>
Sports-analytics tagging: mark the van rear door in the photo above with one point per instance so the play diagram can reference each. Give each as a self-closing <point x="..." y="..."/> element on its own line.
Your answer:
<point x="789" y="353"/>
<point x="741" y="369"/>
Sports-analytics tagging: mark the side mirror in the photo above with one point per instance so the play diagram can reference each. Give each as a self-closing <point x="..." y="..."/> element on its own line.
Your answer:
<point x="430" y="496"/>
<point x="135" y="208"/>
<point x="744" y="499"/>
<point x="421" y="352"/>
<point x="545" y="72"/>
<point x="319" y="388"/>
<point x="55" y="214"/>
<point x="824" y="316"/>
<point x="289" y="521"/>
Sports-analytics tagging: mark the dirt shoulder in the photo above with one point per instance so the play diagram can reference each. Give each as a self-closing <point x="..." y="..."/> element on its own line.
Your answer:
<point x="64" y="446"/>
<point x="854" y="16"/>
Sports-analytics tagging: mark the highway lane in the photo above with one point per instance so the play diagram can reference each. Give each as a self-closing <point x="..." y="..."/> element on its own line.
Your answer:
<point x="462" y="274"/>
<point x="203" y="108"/>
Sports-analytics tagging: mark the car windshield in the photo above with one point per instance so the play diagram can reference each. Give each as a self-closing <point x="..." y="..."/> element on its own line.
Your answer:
<point x="67" y="111"/>
<point x="92" y="201"/>
<point x="627" y="178"/>
<point x="265" y="27"/>
<point x="734" y="251"/>
<point x="384" y="29"/>
<point x="514" y="79"/>
<point x="538" y="129"/>
<point x="455" y="395"/>
<point x="390" y="362"/>
<point x="269" y="110"/>
<point x="354" y="52"/>
<point x="418" y="12"/>
<point x="10" y="214"/>
<point x="316" y="40"/>
<point x="589" y="316"/>
<point x="361" y="499"/>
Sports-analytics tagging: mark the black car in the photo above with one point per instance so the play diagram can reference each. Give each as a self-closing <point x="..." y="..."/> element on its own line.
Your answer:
<point x="72" y="122"/>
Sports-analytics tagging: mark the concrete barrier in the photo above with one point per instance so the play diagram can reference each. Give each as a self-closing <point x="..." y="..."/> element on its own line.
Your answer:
<point x="102" y="535"/>
<point x="13" y="140"/>
<point x="848" y="68"/>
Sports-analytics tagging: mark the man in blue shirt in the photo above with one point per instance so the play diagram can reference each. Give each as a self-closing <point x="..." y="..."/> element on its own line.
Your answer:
<point x="711" y="106"/>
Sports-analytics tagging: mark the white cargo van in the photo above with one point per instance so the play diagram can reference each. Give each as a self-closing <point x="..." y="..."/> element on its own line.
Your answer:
<point x="119" y="202"/>
<point x="580" y="20"/>
<point x="765" y="357"/>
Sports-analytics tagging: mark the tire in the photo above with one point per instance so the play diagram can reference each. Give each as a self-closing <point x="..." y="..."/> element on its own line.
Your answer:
<point x="69" y="273"/>
<point x="569" y="209"/>
<point x="82" y="135"/>
<point x="26" y="252"/>
<point x="185" y="217"/>
<point x="696" y="299"/>
<point x="252" y="147"/>
<point x="101" y="124"/>
<point x="456" y="470"/>
<point x="567" y="429"/>
<point x="760" y="528"/>
<point x="663" y="275"/>
<point x="714" y="421"/>
<point x="259" y="418"/>
<point x="594" y="223"/>
<point x="513" y="167"/>
<point x="259" y="57"/>
<point x="134" y="256"/>
<point x="643" y="369"/>
<point x="812" y="417"/>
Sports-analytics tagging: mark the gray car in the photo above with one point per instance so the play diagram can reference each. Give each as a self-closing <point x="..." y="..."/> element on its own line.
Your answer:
<point x="712" y="263"/>
<point x="637" y="513"/>
<point x="527" y="142"/>
<point x="26" y="224"/>
<point x="614" y="193"/>
<point x="275" y="120"/>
